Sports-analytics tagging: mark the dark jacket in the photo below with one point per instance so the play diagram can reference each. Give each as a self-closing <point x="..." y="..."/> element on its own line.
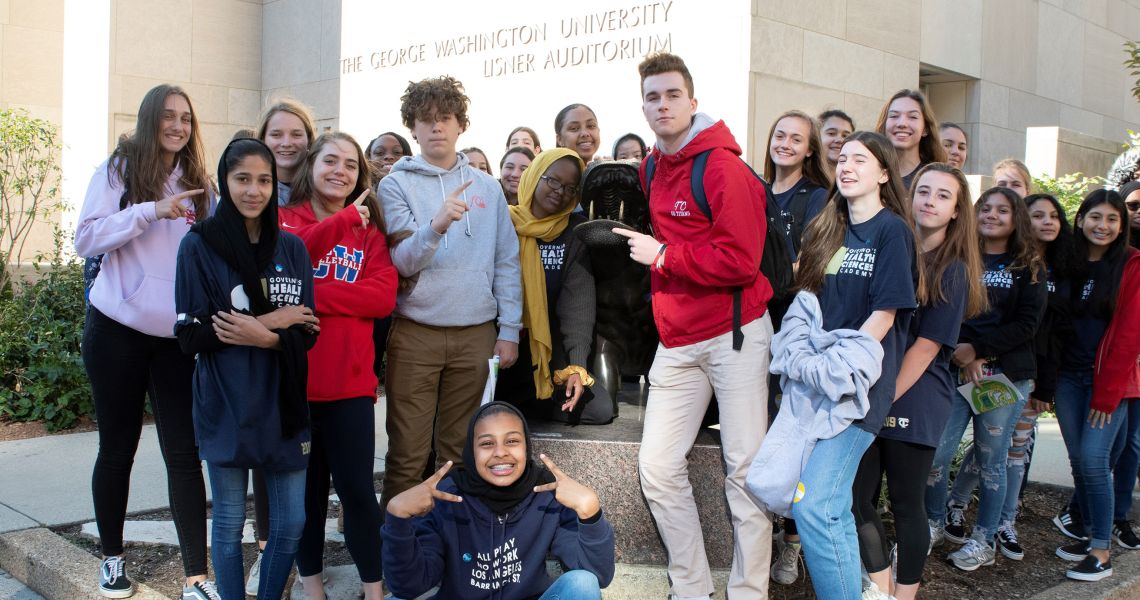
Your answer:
<point x="469" y="552"/>
<point x="1012" y="343"/>
<point x="1054" y="329"/>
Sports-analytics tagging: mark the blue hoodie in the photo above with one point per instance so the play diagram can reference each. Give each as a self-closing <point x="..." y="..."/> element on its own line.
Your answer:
<point x="470" y="274"/>
<point x="469" y="552"/>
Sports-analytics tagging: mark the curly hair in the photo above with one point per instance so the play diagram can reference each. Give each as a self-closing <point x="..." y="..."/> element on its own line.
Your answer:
<point x="1022" y="249"/>
<point x="428" y="98"/>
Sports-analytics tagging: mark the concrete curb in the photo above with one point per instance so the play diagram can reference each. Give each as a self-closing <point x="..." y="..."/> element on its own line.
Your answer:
<point x="54" y="567"/>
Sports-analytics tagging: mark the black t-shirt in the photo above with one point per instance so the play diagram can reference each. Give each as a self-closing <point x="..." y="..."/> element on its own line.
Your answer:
<point x="873" y="270"/>
<point x="816" y="199"/>
<point x="1087" y="327"/>
<point x="999" y="288"/>
<point x="920" y="415"/>
<point x="553" y="256"/>
<point x="906" y="179"/>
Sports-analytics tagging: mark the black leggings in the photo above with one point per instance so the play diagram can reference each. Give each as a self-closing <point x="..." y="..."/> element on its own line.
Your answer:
<point x="124" y="367"/>
<point x="907" y="467"/>
<point x="344" y="445"/>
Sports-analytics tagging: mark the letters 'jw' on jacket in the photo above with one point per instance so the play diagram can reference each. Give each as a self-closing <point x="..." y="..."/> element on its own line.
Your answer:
<point x="705" y="261"/>
<point x="825" y="377"/>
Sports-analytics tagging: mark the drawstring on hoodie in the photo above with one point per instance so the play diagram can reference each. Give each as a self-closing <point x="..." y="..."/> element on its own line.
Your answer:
<point x="466" y="213"/>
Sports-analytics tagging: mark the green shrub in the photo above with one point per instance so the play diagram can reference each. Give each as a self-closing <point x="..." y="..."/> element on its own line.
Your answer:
<point x="1069" y="189"/>
<point x="41" y="324"/>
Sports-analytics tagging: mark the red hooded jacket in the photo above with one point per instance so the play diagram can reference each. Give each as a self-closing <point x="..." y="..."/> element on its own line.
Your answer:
<point x="354" y="282"/>
<point x="705" y="261"/>
<point x="1115" y="374"/>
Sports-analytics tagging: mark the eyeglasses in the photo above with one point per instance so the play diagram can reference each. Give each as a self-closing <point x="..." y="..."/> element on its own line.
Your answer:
<point x="558" y="186"/>
<point x="1134" y="205"/>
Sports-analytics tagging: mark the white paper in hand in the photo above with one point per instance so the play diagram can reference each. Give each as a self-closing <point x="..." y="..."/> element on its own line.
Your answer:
<point x="492" y="379"/>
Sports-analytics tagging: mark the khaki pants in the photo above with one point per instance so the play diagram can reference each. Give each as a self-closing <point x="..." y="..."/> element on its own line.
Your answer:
<point x="434" y="382"/>
<point x="682" y="381"/>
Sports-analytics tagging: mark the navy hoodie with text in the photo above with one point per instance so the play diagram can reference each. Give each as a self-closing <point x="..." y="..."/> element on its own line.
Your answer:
<point x="470" y="552"/>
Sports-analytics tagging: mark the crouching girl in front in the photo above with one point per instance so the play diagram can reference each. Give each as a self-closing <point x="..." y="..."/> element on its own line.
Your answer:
<point x="501" y="514"/>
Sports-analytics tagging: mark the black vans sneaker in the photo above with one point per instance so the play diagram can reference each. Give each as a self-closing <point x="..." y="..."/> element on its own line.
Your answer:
<point x="1123" y="535"/>
<point x="113" y="581"/>
<point x="1006" y="539"/>
<point x="1070" y="524"/>
<point x="1090" y="569"/>
<point x="955" y="527"/>
<point x="1075" y="552"/>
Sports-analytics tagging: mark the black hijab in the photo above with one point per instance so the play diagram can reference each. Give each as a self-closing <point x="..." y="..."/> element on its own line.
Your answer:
<point x="225" y="234"/>
<point x="499" y="499"/>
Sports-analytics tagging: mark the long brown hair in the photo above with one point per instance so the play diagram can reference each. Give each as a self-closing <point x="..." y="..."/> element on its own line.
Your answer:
<point x="137" y="160"/>
<point x="960" y="244"/>
<point x="929" y="145"/>
<point x="824" y="234"/>
<point x="1022" y="247"/>
<point x="813" y="167"/>
<point x="304" y="191"/>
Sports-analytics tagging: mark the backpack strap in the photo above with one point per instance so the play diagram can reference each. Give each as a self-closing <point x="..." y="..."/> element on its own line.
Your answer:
<point x="650" y="167"/>
<point x="697" y="182"/>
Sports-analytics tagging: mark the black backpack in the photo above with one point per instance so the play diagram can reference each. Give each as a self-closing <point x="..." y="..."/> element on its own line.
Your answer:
<point x="775" y="261"/>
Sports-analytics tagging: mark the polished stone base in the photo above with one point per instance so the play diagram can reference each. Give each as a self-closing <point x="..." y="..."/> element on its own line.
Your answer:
<point x="605" y="458"/>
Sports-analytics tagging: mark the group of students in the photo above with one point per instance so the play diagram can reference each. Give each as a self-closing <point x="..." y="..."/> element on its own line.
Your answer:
<point x="252" y="317"/>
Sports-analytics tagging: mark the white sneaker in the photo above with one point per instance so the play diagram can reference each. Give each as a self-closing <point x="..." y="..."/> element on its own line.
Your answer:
<point x="936" y="536"/>
<point x="786" y="569"/>
<point x="251" y="583"/>
<point x="973" y="555"/>
<point x="872" y="592"/>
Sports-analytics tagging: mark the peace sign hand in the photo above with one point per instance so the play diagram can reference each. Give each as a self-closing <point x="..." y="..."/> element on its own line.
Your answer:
<point x="362" y="208"/>
<point x="419" y="500"/>
<point x="569" y="493"/>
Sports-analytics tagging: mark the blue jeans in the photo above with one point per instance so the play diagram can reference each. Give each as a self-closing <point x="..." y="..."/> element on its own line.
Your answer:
<point x="823" y="514"/>
<point x="969" y="473"/>
<point x="1090" y="452"/>
<point x="993" y="432"/>
<point x="1126" y="460"/>
<point x="578" y="584"/>
<point x="286" y="518"/>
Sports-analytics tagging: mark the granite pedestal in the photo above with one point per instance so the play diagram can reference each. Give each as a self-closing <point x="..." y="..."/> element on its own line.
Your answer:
<point x="604" y="457"/>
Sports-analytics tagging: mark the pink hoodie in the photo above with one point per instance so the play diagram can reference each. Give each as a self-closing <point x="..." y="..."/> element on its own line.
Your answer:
<point x="135" y="285"/>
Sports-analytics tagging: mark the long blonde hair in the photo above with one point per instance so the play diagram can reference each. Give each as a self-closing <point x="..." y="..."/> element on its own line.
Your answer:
<point x="824" y="235"/>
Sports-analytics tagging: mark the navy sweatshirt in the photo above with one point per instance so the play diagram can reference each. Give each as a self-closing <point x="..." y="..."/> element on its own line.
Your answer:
<point x="237" y="422"/>
<point x="472" y="553"/>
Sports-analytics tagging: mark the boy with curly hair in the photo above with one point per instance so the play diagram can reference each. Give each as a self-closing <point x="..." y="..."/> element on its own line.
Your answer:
<point x="460" y="301"/>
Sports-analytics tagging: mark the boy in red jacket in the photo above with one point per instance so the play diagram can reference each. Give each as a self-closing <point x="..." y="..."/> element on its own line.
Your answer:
<point x="697" y="265"/>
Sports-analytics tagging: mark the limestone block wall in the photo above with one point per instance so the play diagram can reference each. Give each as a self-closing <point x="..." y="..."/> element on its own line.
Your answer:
<point x="31" y="64"/>
<point x="300" y="50"/>
<point x="997" y="67"/>
<point x="212" y="48"/>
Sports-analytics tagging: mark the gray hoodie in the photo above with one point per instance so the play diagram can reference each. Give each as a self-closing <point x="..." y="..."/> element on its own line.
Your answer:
<point x="467" y="276"/>
<point x="825" y="378"/>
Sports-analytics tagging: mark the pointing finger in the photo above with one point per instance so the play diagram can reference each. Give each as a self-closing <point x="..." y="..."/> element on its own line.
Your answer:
<point x="438" y="475"/>
<point x="550" y="465"/>
<point x="629" y="233"/>
<point x="546" y="487"/>
<point x="361" y="198"/>
<point x="463" y="186"/>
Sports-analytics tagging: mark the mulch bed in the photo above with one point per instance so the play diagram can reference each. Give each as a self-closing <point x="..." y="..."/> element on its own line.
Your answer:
<point x="160" y="567"/>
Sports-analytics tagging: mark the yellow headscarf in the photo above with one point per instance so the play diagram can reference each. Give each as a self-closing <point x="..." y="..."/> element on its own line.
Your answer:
<point x="530" y="229"/>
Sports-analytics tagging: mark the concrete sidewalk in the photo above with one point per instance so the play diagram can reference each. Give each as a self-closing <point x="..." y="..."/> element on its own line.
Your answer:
<point x="47" y="480"/>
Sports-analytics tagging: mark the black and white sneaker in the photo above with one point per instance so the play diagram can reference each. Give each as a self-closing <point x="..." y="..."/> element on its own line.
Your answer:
<point x="1070" y="524"/>
<point x="1075" y="552"/>
<point x="113" y="581"/>
<point x="955" y="528"/>
<point x="1123" y="535"/>
<point x="1006" y="539"/>
<point x="1090" y="569"/>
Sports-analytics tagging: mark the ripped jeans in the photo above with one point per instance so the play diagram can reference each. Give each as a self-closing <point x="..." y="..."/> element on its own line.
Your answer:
<point x="1020" y="446"/>
<point x="993" y="432"/>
